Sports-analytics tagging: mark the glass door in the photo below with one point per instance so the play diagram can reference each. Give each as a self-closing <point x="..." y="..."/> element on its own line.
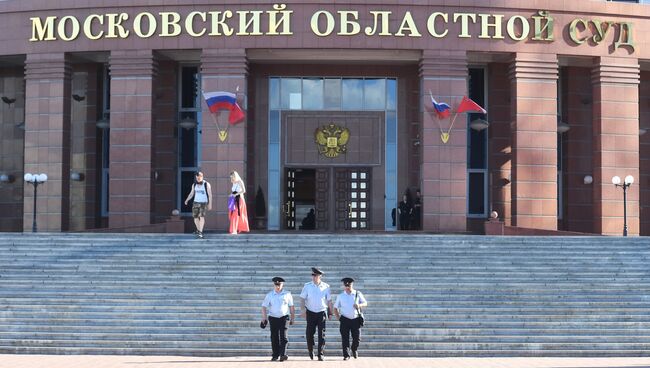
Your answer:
<point x="352" y="193"/>
<point x="289" y="207"/>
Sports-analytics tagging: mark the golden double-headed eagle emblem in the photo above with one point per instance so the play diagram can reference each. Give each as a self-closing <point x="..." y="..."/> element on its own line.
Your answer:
<point x="332" y="140"/>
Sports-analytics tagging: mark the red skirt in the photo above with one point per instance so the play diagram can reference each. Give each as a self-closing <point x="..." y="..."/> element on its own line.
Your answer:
<point x="239" y="218"/>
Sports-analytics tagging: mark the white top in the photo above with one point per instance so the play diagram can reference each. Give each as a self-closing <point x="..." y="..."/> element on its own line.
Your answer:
<point x="345" y="304"/>
<point x="237" y="187"/>
<point x="277" y="304"/>
<point x="201" y="193"/>
<point x="316" y="296"/>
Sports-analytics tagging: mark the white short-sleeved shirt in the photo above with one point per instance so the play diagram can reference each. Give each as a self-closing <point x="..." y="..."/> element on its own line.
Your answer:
<point x="277" y="304"/>
<point x="316" y="296"/>
<point x="237" y="187"/>
<point x="345" y="304"/>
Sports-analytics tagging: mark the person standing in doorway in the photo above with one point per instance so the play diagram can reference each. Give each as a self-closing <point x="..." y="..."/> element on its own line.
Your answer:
<point x="316" y="307"/>
<point x="202" y="194"/>
<point x="405" y="211"/>
<point x="416" y="218"/>
<point x="348" y="311"/>
<point x="277" y="309"/>
<point x="238" y="215"/>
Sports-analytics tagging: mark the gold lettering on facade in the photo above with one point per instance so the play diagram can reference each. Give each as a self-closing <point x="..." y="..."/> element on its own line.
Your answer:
<point x="332" y="140"/>
<point x="325" y="23"/>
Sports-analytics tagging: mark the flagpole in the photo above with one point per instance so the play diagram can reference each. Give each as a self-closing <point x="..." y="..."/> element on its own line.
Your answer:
<point x="452" y="122"/>
<point x="223" y="134"/>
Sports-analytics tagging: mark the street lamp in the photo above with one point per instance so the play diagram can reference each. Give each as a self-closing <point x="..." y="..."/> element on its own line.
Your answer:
<point x="626" y="184"/>
<point x="35" y="180"/>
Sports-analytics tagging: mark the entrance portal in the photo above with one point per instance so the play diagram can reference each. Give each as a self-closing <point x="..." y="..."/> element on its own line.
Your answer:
<point x="307" y="204"/>
<point x="339" y="183"/>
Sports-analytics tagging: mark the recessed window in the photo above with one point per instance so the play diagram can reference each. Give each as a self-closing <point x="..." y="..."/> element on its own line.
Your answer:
<point x="312" y="94"/>
<point x="352" y="94"/>
<point x="477" y="148"/>
<point x="187" y="132"/>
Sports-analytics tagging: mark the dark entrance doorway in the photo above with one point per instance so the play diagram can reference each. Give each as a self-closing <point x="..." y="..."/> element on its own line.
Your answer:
<point x="305" y="199"/>
<point x="300" y="199"/>
<point x="327" y="199"/>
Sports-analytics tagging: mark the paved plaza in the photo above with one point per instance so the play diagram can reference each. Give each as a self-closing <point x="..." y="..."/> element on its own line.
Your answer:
<point x="100" y="361"/>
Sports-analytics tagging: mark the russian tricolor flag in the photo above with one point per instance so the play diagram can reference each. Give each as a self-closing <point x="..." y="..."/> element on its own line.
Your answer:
<point x="442" y="109"/>
<point x="224" y="101"/>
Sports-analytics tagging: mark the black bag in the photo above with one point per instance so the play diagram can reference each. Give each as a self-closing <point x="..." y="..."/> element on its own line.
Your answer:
<point x="360" y="318"/>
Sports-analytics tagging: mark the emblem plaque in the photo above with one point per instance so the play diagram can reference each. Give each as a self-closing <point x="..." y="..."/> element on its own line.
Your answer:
<point x="332" y="140"/>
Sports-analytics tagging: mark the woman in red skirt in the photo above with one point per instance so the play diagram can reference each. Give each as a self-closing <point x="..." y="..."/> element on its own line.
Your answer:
<point x="238" y="215"/>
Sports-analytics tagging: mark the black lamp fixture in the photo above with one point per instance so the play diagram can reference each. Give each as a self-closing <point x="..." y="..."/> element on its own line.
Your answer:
<point x="562" y="127"/>
<point x="77" y="176"/>
<point x="35" y="180"/>
<point x="8" y="100"/>
<point x="188" y="123"/>
<point x="6" y="178"/>
<point x="629" y="180"/>
<point x="103" y="123"/>
<point x="479" y="124"/>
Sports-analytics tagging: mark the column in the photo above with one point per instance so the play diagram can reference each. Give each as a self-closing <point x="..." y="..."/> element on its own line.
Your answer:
<point x="533" y="79"/>
<point x="444" y="165"/>
<point x="223" y="70"/>
<point x="47" y="139"/>
<point x="615" y="83"/>
<point x="131" y="144"/>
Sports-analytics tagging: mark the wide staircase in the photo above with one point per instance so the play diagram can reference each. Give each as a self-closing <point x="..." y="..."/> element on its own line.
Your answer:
<point x="428" y="295"/>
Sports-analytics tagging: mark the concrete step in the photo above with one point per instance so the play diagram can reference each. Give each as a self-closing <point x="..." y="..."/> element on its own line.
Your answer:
<point x="253" y="322"/>
<point x="386" y="307"/>
<point x="368" y="345"/>
<point x="332" y="353"/>
<point x="297" y="334"/>
<point x="298" y="329"/>
<point x="136" y="316"/>
<point x="457" y="295"/>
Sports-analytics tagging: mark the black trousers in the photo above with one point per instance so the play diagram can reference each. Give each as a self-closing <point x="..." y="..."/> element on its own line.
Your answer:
<point x="278" y="336"/>
<point x="316" y="320"/>
<point x="347" y="327"/>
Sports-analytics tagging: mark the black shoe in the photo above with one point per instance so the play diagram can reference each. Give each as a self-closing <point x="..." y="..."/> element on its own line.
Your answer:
<point x="346" y="358"/>
<point x="200" y="235"/>
<point x="355" y="354"/>
<point x="320" y="357"/>
<point x="283" y="358"/>
<point x="311" y="355"/>
<point x="274" y="359"/>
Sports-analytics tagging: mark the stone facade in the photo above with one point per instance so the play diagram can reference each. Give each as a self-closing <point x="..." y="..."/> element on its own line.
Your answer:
<point x="54" y="93"/>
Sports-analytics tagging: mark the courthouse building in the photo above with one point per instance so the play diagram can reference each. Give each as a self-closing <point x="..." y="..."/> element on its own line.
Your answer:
<point x="105" y="99"/>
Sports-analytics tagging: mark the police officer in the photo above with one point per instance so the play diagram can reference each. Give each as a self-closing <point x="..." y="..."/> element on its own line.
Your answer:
<point x="348" y="310"/>
<point x="278" y="305"/>
<point x="316" y="307"/>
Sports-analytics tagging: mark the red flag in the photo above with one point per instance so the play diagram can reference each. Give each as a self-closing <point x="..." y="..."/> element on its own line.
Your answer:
<point x="468" y="105"/>
<point x="236" y="114"/>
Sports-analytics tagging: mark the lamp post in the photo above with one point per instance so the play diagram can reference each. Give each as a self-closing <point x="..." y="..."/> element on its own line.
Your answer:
<point x="35" y="180"/>
<point x="626" y="184"/>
